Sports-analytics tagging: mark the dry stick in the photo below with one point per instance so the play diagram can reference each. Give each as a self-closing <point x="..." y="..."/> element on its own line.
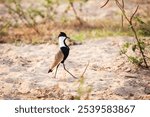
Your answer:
<point x="105" y="4"/>
<point x="85" y="70"/>
<point x="121" y="16"/>
<point x="122" y="19"/>
<point x="75" y="12"/>
<point x="133" y="30"/>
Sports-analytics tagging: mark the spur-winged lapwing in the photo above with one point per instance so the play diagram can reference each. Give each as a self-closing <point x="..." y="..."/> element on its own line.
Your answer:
<point x="61" y="55"/>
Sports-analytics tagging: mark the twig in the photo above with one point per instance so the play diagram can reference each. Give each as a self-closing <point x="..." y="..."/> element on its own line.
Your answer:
<point x="85" y="70"/>
<point x="134" y="13"/>
<point x="75" y="12"/>
<point x="105" y="4"/>
<point x="122" y="17"/>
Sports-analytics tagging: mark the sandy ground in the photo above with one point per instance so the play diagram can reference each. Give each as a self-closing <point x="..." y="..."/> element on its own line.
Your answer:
<point x="23" y="72"/>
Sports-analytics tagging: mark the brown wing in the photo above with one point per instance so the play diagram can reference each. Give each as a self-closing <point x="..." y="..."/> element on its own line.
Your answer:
<point x="58" y="58"/>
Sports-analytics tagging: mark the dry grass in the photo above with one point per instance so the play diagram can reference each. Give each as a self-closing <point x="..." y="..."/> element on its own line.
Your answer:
<point x="49" y="31"/>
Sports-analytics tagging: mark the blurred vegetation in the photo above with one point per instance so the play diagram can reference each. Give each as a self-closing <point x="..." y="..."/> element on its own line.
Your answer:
<point x="83" y="91"/>
<point x="30" y="23"/>
<point x="140" y="56"/>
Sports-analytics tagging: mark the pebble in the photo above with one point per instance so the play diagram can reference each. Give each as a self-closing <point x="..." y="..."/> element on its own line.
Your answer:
<point x="147" y="90"/>
<point x="128" y="70"/>
<point x="131" y="76"/>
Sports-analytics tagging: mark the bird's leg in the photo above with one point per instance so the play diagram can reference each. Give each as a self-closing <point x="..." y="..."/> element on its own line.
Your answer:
<point x="68" y="71"/>
<point x="56" y="70"/>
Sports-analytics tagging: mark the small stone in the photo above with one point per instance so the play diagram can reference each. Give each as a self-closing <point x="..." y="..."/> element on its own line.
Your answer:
<point x="147" y="90"/>
<point x="131" y="94"/>
<point x="131" y="75"/>
<point x="101" y="80"/>
<point x="128" y="70"/>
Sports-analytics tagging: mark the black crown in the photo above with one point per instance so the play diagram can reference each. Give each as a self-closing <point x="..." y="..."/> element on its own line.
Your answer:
<point x="62" y="34"/>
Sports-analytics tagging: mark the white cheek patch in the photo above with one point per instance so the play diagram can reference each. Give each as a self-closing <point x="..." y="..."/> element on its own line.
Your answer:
<point x="61" y="41"/>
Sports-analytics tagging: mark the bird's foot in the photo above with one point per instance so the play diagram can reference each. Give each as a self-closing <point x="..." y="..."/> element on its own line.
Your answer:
<point x="54" y="77"/>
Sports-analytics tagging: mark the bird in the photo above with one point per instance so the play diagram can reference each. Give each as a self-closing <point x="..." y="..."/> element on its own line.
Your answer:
<point x="61" y="55"/>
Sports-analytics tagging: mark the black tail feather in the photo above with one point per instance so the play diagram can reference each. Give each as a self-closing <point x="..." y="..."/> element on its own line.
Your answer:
<point x="49" y="70"/>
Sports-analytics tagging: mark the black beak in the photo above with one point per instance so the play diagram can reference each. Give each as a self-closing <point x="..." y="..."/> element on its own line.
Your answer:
<point x="68" y="37"/>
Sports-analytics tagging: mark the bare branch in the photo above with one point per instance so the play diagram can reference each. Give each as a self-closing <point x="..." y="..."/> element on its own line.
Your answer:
<point x="122" y="3"/>
<point x="85" y="70"/>
<point x="105" y="4"/>
<point x="75" y="12"/>
<point x="122" y="10"/>
<point x="134" y="13"/>
<point x="122" y="17"/>
<point x="120" y="6"/>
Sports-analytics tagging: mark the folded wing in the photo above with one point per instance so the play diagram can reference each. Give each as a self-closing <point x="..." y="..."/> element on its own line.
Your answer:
<point x="58" y="58"/>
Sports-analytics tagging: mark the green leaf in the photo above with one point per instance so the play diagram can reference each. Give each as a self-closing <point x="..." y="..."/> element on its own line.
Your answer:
<point x="135" y="60"/>
<point x="139" y="20"/>
<point x="142" y="44"/>
<point x="126" y="45"/>
<point x="134" y="47"/>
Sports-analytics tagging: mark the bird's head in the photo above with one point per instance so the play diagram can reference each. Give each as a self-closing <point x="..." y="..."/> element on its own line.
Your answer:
<point x="63" y="35"/>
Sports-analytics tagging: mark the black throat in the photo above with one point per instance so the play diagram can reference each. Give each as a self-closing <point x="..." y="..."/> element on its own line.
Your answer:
<point x="65" y="51"/>
<point x="65" y="43"/>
